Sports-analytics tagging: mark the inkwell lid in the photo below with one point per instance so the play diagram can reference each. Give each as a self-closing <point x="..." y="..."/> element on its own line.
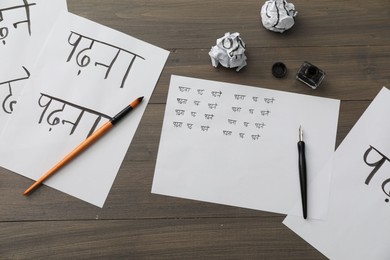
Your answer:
<point x="279" y="70"/>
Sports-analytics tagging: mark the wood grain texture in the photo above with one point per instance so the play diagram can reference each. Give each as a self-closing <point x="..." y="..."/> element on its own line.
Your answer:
<point x="215" y="238"/>
<point x="349" y="40"/>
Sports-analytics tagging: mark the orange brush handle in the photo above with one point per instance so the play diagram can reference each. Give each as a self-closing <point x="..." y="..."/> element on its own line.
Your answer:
<point x="91" y="139"/>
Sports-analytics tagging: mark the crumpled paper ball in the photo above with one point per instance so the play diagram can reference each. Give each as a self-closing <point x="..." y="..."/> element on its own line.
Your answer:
<point x="278" y="15"/>
<point x="229" y="51"/>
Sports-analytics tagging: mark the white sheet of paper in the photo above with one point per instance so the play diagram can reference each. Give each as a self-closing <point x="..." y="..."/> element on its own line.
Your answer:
<point x="237" y="145"/>
<point x="24" y="29"/>
<point x="357" y="225"/>
<point x="87" y="75"/>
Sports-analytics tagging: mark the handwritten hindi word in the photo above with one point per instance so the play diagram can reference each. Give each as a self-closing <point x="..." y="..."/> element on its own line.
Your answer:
<point x="255" y="137"/>
<point x="208" y="116"/>
<point x="83" y="45"/>
<point x="239" y="97"/>
<point x="377" y="165"/>
<point x="226" y="132"/>
<point x="184" y="89"/>
<point x="259" y="125"/>
<point x="180" y="112"/>
<point x="53" y="107"/>
<point x="9" y="101"/>
<point x="216" y="93"/>
<point x="269" y="100"/>
<point x="182" y="101"/>
<point x="236" y="109"/>
<point x="25" y="8"/>
<point x="200" y="91"/>
<point x="212" y="105"/>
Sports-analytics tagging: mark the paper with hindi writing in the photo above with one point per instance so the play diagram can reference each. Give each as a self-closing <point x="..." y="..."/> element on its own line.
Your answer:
<point x="87" y="74"/>
<point x="237" y="145"/>
<point x="24" y="29"/>
<point x="357" y="226"/>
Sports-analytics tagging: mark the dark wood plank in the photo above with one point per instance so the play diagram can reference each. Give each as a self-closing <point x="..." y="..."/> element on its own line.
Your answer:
<point x="197" y="24"/>
<point x="217" y="238"/>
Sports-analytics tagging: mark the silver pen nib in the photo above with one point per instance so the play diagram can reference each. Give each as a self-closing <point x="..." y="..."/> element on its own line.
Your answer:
<point x="300" y="133"/>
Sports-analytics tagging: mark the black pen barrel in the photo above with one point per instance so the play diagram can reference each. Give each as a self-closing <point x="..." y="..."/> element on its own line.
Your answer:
<point x="302" y="176"/>
<point x="121" y="115"/>
<point x="118" y="117"/>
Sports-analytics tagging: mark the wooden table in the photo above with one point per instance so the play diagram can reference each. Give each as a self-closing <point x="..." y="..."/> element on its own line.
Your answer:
<point x="349" y="40"/>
